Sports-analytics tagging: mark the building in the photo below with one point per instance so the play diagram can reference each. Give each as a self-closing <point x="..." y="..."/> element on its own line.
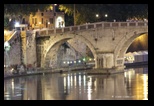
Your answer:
<point x="47" y="19"/>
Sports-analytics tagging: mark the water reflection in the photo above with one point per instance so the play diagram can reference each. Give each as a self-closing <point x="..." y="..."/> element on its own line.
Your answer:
<point x="130" y="85"/>
<point x="137" y="83"/>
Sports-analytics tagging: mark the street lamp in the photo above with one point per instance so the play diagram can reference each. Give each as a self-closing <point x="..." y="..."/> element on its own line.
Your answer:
<point x="5" y="32"/>
<point x="106" y="16"/>
<point x="10" y="19"/>
<point x="74" y="16"/>
<point x="16" y="24"/>
<point x="48" y="24"/>
<point x="20" y="40"/>
<point x="97" y="15"/>
<point x="54" y="14"/>
<point x="7" y="48"/>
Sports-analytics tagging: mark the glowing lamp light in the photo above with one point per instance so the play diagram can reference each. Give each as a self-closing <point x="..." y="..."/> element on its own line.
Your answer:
<point x="74" y="61"/>
<point x="97" y="15"/>
<point x="7" y="46"/>
<point x="84" y="59"/>
<point x="64" y="62"/>
<point x="145" y="19"/>
<point x="48" y="22"/>
<point x="89" y="59"/>
<point x="6" y="43"/>
<point x="68" y="62"/>
<point x="106" y="15"/>
<point x="79" y="61"/>
<point x="12" y="69"/>
<point x="17" y="24"/>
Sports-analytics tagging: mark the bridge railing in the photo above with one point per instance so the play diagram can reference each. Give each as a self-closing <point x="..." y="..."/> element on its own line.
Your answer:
<point x="13" y="37"/>
<point x="90" y="26"/>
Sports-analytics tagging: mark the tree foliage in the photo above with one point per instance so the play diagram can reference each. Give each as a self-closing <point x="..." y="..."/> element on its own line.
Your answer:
<point x="120" y="12"/>
<point x="6" y="22"/>
<point x="17" y="11"/>
<point x="83" y="12"/>
<point x="23" y="9"/>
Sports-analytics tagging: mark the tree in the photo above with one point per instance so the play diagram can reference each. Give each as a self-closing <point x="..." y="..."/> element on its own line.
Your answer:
<point x="82" y="11"/>
<point x="6" y="22"/>
<point x="17" y="11"/>
<point x="23" y="9"/>
<point x="120" y="12"/>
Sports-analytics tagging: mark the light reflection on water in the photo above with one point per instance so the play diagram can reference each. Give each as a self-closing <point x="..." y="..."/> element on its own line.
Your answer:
<point x="130" y="85"/>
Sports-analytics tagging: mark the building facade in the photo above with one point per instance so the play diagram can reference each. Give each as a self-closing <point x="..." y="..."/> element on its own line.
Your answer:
<point x="47" y="19"/>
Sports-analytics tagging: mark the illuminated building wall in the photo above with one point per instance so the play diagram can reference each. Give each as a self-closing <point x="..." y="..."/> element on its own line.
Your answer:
<point x="59" y="20"/>
<point x="45" y="19"/>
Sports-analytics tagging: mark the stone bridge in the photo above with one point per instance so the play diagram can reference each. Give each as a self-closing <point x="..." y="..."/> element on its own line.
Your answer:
<point x="108" y="41"/>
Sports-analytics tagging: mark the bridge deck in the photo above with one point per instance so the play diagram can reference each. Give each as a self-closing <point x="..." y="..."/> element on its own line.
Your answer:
<point x="47" y="32"/>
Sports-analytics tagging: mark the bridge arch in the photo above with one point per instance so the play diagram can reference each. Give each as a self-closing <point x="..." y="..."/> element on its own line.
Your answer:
<point x="108" y="47"/>
<point x="56" y="41"/>
<point x="124" y="44"/>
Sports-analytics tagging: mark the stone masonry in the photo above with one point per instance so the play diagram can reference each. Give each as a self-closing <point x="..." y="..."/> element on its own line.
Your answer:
<point x="107" y="41"/>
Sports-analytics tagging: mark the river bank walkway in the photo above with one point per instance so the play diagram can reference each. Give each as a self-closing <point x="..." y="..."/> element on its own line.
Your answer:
<point x="47" y="70"/>
<point x="91" y="70"/>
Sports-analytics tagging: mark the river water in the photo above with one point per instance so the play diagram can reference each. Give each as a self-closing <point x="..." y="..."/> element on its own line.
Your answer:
<point x="130" y="85"/>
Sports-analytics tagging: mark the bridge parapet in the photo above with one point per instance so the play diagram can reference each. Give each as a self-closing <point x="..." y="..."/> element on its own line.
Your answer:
<point x="12" y="38"/>
<point x="48" y="32"/>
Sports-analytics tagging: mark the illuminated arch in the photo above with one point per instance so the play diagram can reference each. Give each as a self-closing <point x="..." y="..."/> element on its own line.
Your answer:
<point x="125" y="42"/>
<point x="57" y="40"/>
